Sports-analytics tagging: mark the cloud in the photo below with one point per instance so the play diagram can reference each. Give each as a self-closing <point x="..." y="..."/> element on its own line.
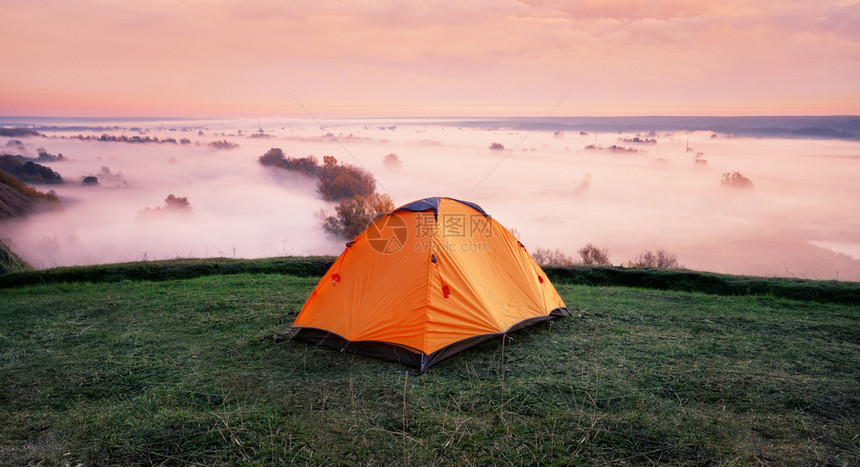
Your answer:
<point x="369" y="57"/>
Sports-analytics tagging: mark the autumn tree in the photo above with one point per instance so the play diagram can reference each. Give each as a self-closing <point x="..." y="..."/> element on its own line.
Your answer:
<point x="273" y="157"/>
<point x="343" y="182"/>
<point x="354" y="215"/>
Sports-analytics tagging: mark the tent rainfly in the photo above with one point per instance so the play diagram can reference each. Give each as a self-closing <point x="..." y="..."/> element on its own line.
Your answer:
<point x="429" y="279"/>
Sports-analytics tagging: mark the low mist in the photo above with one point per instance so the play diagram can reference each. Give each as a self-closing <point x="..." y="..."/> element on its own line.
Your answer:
<point x="558" y="190"/>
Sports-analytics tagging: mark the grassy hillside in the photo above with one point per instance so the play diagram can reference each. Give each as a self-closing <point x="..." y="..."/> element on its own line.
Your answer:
<point x="199" y="371"/>
<point x="9" y="261"/>
<point x="26" y="190"/>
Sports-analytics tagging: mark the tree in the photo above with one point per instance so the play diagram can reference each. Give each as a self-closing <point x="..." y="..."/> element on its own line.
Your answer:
<point x="736" y="180"/>
<point x="274" y="157"/>
<point x="392" y="161"/>
<point x="547" y="257"/>
<point x="223" y="144"/>
<point x="354" y="215"/>
<point x="497" y="147"/>
<point x="175" y="203"/>
<point x="172" y="204"/>
<point x="593" y="256"/>
<point x="661" y="259"/>
<point x="307" y="165"/>
<point x="341" y="182"/>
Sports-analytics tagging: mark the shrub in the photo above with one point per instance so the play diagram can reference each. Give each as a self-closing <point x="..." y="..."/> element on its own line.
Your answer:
<point x="354" y="215"/>
<point x="661" y="259"/>
<point x="593" y="256"/>
<point x="497" y="147"/>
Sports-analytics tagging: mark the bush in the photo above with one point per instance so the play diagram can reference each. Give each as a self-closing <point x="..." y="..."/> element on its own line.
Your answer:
<point x="353" y="216"/>
<point x="661" y="259"/>
<point x="593" y="256"/>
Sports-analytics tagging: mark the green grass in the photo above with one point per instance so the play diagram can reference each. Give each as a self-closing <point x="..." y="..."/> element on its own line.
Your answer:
<point x="169" y="270"/>
<point x="675" y="279"/>
<point x="198" y="371"/>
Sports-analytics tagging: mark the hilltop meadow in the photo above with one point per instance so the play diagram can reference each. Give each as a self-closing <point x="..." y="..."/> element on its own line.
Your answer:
<point x="190" y="362"/>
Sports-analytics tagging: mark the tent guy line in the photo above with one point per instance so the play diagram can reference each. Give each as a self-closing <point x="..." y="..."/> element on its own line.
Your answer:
<point x="535" y="125"/>
<point x="336" y="139"/>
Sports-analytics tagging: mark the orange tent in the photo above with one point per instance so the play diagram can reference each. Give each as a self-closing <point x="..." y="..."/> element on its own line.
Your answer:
<point x="427" y="280"/>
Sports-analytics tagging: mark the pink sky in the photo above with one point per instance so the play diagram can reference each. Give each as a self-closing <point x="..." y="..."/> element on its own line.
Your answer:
<point x="429" y="58"/>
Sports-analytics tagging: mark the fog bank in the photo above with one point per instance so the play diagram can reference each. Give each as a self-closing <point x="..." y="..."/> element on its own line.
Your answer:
<point x="798" y="220"/>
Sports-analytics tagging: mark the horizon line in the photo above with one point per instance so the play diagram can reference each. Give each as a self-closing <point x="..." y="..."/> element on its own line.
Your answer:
<point x="413" y="117"/>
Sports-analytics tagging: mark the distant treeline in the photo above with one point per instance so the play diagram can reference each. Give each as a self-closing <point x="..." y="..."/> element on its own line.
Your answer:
<point x="827" y="127"/>
<point x="18" y="132"/>
<point x="613" y="148"/>
<point x="125" y="139"/>
<point x="638" y="140"/>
